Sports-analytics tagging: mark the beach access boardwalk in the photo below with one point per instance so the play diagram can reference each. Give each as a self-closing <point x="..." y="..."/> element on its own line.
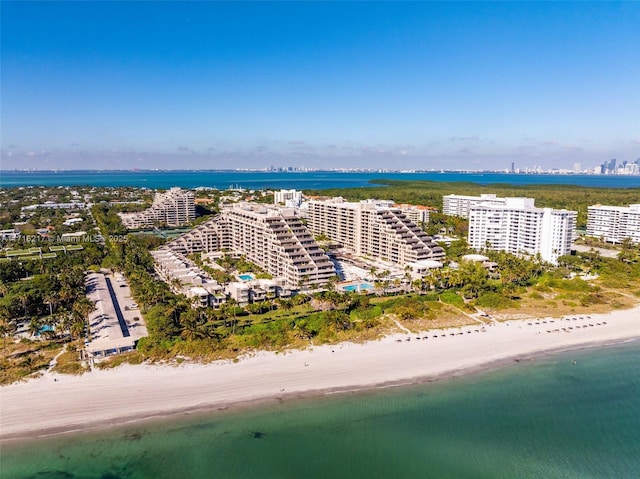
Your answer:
<point x="113" y="330"/>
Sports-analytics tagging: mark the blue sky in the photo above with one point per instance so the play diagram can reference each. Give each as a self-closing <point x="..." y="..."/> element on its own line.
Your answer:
<point x="254" y="84"/>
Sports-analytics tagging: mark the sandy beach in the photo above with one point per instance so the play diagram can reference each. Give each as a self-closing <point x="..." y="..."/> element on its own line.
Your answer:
<point x="54" y="403"/>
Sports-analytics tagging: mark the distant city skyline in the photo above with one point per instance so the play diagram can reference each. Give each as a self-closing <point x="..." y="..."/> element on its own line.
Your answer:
<point x="403" y="86"/>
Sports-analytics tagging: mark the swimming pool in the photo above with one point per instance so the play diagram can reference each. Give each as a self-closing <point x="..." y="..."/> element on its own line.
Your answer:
<point x="246" y="277"/>
<point x="358" y="287"/>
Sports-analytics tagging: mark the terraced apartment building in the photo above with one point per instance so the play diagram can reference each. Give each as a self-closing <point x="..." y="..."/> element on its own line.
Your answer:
<point x="373" y="228"/>
<point x="175" y="207"/>
<point x="274" y="239"/>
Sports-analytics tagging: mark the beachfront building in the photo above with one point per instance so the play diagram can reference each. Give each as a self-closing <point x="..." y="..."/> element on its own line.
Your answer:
<point x="175" y="207"/>
<point x="184" y="277"/>
<point x="459" y="205"/>
<point x="274" y="239"/>
<point x="614" y="223"/>
<point x="519" y="227"/>
<point x="372" y="228"/>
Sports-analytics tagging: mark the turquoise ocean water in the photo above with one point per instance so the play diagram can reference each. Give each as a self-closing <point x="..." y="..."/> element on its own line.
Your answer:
<point x="574" y="415"/>
<point x="286" y="180"/>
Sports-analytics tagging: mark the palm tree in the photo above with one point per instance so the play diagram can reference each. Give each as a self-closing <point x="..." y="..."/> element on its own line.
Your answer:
<point x="231" y="305"/>
<point x="7" y="327"/>
<point x="82" y="308"/>
<point x="374" y="273"/>
<point x="34" y="326"/>
<point x="51" y="299"/>
<point x="286" y="305"/>
<point x="191" y="325"/>
<point x="175" y="306"/>
<point x="176" y="284"/>
<point x="23" y="297"/>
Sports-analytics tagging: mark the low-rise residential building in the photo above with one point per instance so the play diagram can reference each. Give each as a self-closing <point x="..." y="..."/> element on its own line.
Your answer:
<point x="9" y="235"/>
<point x="72" y="221"/>
<point x="74" y="205"/>
<point x="372" y="228"/>
<point x="519" y="227"/>
<point x="614" y="223"/>
<point x="175" y="207"/>
<point x="186" y="278"/>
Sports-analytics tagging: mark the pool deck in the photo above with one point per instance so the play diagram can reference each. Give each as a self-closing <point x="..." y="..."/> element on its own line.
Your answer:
<point x="360" y="286"/>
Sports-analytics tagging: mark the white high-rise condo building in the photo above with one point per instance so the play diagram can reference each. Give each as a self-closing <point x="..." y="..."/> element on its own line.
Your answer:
<point x="519" y="227"/>
<point x="274" y="239"/>
<point x="373" y="228"/>
<point x="459" y="205"/>
<point x="290" y="198"/>
<point x="614" y="223"/>
<point x="175" y="207"/>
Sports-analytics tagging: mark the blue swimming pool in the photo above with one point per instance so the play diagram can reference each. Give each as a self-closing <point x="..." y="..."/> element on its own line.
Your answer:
<point x="358" y="287"/>
<point x="246" y="277"/>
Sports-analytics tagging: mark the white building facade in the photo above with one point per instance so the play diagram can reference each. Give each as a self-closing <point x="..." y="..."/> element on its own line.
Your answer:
<point x="519" y="227"/>
<point x="289" y="198"/>
<point x="614" y="223"/>
<point x="373" y="228"/>
<point x="459" y="205"/>
<point x="175" y="207"/>
<point x="274" y="239"/>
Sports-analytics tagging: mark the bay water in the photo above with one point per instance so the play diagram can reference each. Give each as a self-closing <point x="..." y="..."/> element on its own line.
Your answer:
<point x="573" y="415"/>
<point x="312" y="180"/>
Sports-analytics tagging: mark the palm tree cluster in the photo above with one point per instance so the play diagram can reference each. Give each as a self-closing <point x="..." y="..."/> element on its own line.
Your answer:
<point x="52" y="304"/>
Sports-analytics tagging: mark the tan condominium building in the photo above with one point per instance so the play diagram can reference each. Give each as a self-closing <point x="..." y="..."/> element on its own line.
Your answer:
<point x="274" y="239"/>
<point x="175" y="207"/>
<point x="372" y="228"/>
<point x="459" y="205"/>
<point x="614" y="223"/>
<point x="417" y="213"/>
<point x="519" y="227"/>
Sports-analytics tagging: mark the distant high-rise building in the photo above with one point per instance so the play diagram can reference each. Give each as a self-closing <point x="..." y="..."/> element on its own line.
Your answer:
<point x="513" y="167"/>
<point x="577" y="168"/>
<point x="176" y="207"/>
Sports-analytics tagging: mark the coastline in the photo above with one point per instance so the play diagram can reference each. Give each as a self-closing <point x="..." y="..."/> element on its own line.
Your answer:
<point x="102" y="399"/>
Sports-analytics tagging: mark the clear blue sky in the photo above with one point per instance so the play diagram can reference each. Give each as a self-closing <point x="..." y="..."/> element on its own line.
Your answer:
<point x="248" y="85"/>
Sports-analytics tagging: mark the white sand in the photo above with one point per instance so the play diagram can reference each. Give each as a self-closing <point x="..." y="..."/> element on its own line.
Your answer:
<point x="44" y="406"/>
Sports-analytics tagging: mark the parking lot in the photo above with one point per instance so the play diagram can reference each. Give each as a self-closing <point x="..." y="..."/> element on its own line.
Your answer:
<point x="116" y="324"/>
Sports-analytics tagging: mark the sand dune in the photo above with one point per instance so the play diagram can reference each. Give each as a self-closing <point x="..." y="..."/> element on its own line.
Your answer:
<point x="44" y="406"/>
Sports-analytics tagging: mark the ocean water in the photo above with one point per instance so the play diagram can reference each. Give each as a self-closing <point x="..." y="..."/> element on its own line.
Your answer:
<point x="287" y="180"/>
<point x="575" y="415"/>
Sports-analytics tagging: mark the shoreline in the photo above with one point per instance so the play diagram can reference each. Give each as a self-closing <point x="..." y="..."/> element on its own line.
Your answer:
<point x="53" y="404"/>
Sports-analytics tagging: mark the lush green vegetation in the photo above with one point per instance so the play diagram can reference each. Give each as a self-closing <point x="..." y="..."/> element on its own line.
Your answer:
<point x="46" y="299"/>
<point x="47" y="296"/>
